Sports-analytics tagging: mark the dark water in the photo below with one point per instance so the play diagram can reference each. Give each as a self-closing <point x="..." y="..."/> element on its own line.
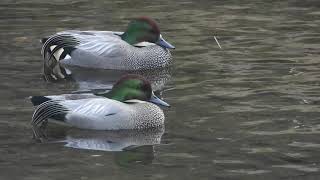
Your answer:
<point x="247" y="111"/>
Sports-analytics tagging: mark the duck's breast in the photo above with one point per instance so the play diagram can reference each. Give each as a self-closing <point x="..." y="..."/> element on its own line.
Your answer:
<point x="148" y="57"/>
<point x="146" y="115"/>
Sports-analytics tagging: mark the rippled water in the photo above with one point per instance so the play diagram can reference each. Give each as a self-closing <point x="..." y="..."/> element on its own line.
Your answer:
<point x="247" y="111"/>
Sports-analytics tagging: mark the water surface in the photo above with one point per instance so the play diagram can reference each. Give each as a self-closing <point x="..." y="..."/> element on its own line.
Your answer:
<point x="247" y="111"/>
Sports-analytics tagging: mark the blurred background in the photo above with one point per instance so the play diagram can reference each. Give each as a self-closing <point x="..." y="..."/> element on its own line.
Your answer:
<point x="247" y="111"/>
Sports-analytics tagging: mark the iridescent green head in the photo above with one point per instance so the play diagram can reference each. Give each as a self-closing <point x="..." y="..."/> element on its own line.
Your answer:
<point x="133" y="87"/>
<point x="144" y="29"/>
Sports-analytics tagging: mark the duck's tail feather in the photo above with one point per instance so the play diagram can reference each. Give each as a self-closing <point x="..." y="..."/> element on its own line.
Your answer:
<point x="55" y="48"/>
<point x="49" y="109"/>
<point x="43" y="40"/>
<point x="37" y="100"/>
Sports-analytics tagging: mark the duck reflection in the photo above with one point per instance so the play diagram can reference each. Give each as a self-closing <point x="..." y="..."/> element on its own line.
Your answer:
<point x="112" y="140"/>
<point x="97" y="79"/>
<point x="101" y="140"/>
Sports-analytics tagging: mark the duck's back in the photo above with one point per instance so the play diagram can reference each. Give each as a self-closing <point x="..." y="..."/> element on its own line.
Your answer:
<point x="98" y="114"/>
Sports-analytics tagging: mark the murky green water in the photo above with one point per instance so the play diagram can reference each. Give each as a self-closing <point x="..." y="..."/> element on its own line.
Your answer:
<point x="247" y="111"/>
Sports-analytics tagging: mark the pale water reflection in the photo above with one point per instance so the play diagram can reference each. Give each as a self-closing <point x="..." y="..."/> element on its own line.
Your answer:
<point x="87" y="79"/>
<point x="100" y="140"/>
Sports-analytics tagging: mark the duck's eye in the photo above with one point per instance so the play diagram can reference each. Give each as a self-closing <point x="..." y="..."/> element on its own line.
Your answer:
<point x="145" y="87"/>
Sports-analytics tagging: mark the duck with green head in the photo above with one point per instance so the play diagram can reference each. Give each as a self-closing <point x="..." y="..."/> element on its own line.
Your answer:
<point x="131" y="104"/>
<point x="140" y="47"/>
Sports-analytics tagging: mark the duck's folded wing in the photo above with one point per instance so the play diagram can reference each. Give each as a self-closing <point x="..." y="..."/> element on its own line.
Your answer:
<point x="81" y="44"/>
<point x="100" y="114"/>
<point x="100" y="43"/>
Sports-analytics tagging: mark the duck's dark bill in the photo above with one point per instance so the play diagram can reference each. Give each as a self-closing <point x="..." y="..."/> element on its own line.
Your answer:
<point x="163" y="43"/>
<point x="154" y="99"/>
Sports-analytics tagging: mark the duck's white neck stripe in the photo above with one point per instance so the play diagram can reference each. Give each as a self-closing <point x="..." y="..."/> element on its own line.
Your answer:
<point x="134" y="101"/>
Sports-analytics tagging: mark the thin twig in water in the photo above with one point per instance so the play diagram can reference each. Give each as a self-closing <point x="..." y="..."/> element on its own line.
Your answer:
<point x="217" y="42"/>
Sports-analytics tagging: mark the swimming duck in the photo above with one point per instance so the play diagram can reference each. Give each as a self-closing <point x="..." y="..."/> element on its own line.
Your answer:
<point x="129" y="105"/>
<point x="140" y="47"/>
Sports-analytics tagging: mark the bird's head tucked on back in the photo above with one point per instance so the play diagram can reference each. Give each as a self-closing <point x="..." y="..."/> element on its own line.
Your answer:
<point x="144" y="29"/>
